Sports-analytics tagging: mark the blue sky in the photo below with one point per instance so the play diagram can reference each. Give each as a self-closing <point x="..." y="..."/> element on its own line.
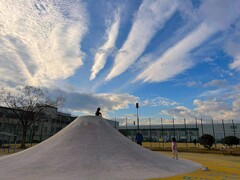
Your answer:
<point x="177" y="59"/>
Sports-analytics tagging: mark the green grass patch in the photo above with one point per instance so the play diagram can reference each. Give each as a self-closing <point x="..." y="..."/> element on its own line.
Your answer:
<point x="220" y="167"/>
<point x="190" y="147"/>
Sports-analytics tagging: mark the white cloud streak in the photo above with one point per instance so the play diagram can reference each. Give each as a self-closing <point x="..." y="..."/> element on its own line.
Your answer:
<point x="220" y="17"/>
<point x="212" y="93"/>
<point x="107" y="48"/>
<point x="233" y="49"/>
<point x="150" y="18"/>
<point x="236" y="63"/>
<point x="176" y="59"/>
<point x="40" y="40"/>
<point x="216" y="83"/>
<point x="158" y="101"/>
<point x="219" y="14"/>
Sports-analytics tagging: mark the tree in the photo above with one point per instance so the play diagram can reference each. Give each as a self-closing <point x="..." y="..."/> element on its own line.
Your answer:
<point x="27" y="103"/>
<point x="231" y="140"/>
<point x="207" y="140"/>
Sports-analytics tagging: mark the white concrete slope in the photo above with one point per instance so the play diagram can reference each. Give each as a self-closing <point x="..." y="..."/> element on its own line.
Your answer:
<point x="88" y="149"/>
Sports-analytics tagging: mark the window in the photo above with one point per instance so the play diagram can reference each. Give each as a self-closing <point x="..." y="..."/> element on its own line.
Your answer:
<point x="233" y="127"/>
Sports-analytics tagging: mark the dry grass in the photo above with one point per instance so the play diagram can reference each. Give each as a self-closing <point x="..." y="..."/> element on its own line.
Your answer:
<point x="190" y="147"/>
<point x="220" y="167"/>
<point x="5" y="151"/>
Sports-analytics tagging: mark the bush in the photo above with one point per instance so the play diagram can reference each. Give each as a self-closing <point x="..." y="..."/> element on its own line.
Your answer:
<point x="231" y="140"/>
<point x="207" y="140"/>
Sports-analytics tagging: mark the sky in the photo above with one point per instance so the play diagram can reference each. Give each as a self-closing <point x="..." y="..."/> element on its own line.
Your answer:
<point x="177" y="59"/>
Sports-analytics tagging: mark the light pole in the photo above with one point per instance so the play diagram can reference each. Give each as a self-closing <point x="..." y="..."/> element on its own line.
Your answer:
<point x="137" y="106"/>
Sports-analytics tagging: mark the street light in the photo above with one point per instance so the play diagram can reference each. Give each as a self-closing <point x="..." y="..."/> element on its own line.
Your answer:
<point x="137" y="106"/>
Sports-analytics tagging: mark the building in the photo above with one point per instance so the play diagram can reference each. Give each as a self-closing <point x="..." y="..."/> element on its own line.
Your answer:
<point x="182" y="133"/>
<point x="51" y="122"/>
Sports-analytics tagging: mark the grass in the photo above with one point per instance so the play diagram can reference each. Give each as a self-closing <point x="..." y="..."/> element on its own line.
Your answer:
<point x="220" y="167"/>
<point x="190" y="147"/>
<point x="4" y="151"/>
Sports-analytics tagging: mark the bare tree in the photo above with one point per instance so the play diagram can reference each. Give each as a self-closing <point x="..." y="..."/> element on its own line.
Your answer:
<point x="27" y="103"/>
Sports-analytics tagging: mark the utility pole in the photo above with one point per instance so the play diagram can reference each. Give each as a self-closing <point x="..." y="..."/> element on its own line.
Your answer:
<point x="234" y="133"/>
<point x="214" y="134"/>
<point x="197" y="131"/>
<point x="150" y="129"/>
<point x="126" y="127"/>
<point x="173" y="128"/>
<point x="202" y="126"/>
<point x="185" y="132"/>
<point x="223" y="129"/>
<point x="162" y="133"/>
<point x="137" y="106"/>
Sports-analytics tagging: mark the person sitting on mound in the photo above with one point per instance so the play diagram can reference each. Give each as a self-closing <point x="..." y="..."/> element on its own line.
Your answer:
<point x="98" y="113"/>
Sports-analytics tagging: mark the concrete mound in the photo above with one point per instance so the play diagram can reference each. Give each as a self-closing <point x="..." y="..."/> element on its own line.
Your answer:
<point x="88" y="149"/>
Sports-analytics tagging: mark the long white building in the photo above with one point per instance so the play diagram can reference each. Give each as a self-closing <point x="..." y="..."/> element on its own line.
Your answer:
<point x="182" y="133"/>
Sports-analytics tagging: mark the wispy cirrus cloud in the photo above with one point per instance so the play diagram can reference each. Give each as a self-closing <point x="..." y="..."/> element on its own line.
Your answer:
<point x="107" y="48"/>
<point x="224" y="14"/>
<point x="177" y="59"/>
<point x="40" y="41"/>
<point x="216" y="83"/>
<point x="158" y="101"/>
<point x="150" y="18"/>
<point x="233" y="49"/>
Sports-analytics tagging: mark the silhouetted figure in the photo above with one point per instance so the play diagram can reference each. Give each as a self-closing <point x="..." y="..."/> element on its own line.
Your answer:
<point x="98" y="113"/>
<point x="139" y="138"/>
<point x="194" y="142"/>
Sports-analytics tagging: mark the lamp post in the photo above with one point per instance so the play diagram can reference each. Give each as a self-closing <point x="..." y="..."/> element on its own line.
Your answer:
<point x="137" y="106"/>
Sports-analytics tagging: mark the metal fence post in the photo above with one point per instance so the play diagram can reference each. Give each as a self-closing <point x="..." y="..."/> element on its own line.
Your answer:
<point x="185" y="132"/>
<point x="42" y="130"/>
<point x="234" y="133"/>
<point x="197" y="131"/>
<point x="202" y="127"/>
<point x="150" y="132"/>
<point x="162" y="133"/>
<point x="15" y="141"/>
<point x="9" y="144"/>
<point x="173" y="128"/>
<point x="223" y="129"/>
<point x="214" y="134"/>
<point x="126" y="127"/>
